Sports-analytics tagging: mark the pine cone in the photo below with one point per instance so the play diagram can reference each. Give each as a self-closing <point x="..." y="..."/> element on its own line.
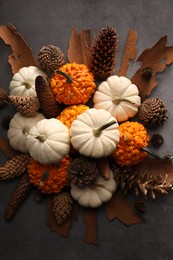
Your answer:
<point x="83" y="171"/>
<point x="141" y="206"/>
<point x="26" y="105"/>
<point x="50" y="58"/>
<point x="147" y="73"/>
<point x="62" y="206"/>
<point x="18" y="197"/>
<point x="46" y="98"/>
<point x="104" y="168"/>
<point x="153" y="112"/>
<point x="14" y="167"/>
<point x="103" y="53"/>
<point x="3" y="97"/>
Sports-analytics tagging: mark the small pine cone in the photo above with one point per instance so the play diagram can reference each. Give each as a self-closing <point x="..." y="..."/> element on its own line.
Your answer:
<point x="83" y="171"/>
<point x="6" y="121"/>
<point x="3" y="97"/>
<point x="18" y="197"/>
<point x="103" y="53"/>
<point x="62" y="206"/>
<point x="48" y="104"/>
<point x="27" y="106"/>
<point x="50" y="58"/>
<point x="153" y="112"/>
<point x="104" y="168"/>
<point x="157" y="140"/>
<point x="147" y="73"/>
<point x="14" y="167"/>
<point x="141" y="206"/>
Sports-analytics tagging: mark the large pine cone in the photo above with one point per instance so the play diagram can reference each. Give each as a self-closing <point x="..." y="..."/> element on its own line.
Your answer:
<point x="50" y="58"/>
<point x="18" y="197"/>
<point x="103" y="53"/>
<point x="62" y="206"/>
<point x="83" y="171"/>
<point x="153" y="112"/>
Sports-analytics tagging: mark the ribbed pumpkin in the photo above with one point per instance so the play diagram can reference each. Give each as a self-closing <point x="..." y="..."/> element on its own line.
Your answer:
<point x="73" y="84"/>
<point x="49" y="178"/>
<point x="133" y="137"/>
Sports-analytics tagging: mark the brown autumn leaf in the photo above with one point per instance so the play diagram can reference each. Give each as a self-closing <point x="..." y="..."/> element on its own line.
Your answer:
<point x="62" y="229"/>
<point x="79" y="47"/>
<point x="157" y="57"/>
<point x="6" y="148"/>
<point x="129" y="52"/>
<point x="22" y="55"/>
<point x="119" y="207"/>
<point x="90" y="220"/>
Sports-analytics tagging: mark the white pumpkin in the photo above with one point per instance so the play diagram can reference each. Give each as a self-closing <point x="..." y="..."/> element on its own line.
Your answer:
<point x="48" y="141"/>
<point x="118" y="96"/>
<point x="23" y="82"/>
<point x="19" y="128"/>
<point x="95" y="133"/>
<point x="96" y="195"/>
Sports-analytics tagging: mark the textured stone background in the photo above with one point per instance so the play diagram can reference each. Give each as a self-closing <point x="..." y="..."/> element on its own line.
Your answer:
<point x="50" y="22"/>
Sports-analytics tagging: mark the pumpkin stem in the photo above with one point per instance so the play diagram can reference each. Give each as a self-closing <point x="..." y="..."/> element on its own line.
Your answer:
<point x="117" y="100"/>
<point x="27" y="85"/>
<point x="68" y="78"/>
<point x="44" y="177"/>
<point x="25" y="131"/>
<point x="41" y="138"/>
<point x="97" y="132"/>
<point x="149" y="151"/>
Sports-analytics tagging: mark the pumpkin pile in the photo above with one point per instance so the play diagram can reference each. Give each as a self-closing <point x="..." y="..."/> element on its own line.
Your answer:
<point x="78" y="137"/>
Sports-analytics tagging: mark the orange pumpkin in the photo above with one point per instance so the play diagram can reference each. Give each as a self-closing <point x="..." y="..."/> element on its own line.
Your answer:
<point x="50" y="178"/>
<point x="73" y="84"/>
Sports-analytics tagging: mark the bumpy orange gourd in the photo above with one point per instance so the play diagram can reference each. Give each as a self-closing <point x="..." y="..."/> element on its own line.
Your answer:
<point x="50" y="178"/>
<point x="133" y="137"/>
<point x="69" y="114"/>
<point x="78" y="89"/>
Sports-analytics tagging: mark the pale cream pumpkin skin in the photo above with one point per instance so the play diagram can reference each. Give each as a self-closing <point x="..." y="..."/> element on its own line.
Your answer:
<point x="94" y="196"/>
<point x="83" y="138"/>
<point x="19" y="128"/>
<point x="48" y="141"/>
<point x="118" y="96"/>
<point x="23" y="82"/>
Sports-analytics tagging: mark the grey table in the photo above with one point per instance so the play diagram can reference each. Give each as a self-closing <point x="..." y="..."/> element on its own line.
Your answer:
<point x="50" y="22"/>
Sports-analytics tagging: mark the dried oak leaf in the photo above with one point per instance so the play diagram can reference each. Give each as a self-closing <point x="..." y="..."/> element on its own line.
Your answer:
<point x="119" y="207"/>
<point x="22" y="55"/>
<point x="157" y="58"/>
<point x="90" y="220"/>
<point x="79" y="47"/>
<point x="129" y="52"/>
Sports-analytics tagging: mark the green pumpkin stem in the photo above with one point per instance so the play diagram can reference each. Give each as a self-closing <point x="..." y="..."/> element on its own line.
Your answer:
<point x="97" y="132"/>
<point x="68" y="78"/>
<point x="27" y="85"/>
<point x="149" y="151"/>
<point x="117" y="100"/>
<point x="41" y="138"/>
<point x="44" y="177"/>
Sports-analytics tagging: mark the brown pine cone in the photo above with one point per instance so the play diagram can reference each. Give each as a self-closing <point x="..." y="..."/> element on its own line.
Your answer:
<point x="147" y="73"/>
<point x="18" y="197"/>
<point x="153" y="112"/>
<point x="50" y="58"/>
<point x="141" y="206"/>
<point x="48" y="104"/>
<point x="14" y="167"/>
<point x="103" y="53"/>
<point x="3" y="97"/>
<point x="62" y="206"/>
<point x="27" y="106"/>
<point x="83" y="171"/>
<point x="104" y="168"/>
